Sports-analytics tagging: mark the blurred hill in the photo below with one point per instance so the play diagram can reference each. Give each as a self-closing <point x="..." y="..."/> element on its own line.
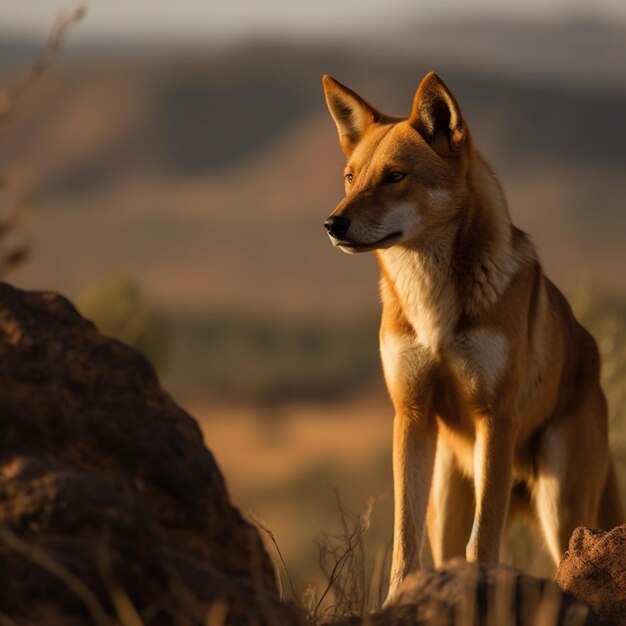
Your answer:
<point x="580" y="50"/>
<point x="14" y="51"/>
<point x="207" y="174"/>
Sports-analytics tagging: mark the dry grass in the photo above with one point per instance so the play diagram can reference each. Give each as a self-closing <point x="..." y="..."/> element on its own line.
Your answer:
<point x="354" y="582"/>
<point x="350" y="583"/>
<point x="343" y="598"/>
<point x="351" y="589"/>
<point x="43" y="560"/>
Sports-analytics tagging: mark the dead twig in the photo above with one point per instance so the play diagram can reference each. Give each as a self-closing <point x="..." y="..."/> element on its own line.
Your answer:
<point x="63" y="25"/>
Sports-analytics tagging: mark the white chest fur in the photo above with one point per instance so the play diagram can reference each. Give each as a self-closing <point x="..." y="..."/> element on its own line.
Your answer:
<point x="480" y="358"/>
<point x="426" y="295"/>
<point x="424" y="287"/>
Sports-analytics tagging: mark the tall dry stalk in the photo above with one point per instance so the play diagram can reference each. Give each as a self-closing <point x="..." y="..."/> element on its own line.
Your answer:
<point x="13" y="249"/>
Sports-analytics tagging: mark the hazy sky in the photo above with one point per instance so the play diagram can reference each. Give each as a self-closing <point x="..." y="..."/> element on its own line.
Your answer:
<point x="220" y="19"/>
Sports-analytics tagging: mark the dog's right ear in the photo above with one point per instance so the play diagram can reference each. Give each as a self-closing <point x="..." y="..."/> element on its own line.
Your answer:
<point x="437" y="117"/>
<point x="351" y="113"/>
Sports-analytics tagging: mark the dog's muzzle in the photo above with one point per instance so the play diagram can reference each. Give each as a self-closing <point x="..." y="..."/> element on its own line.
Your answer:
<point x="337" y="226"/>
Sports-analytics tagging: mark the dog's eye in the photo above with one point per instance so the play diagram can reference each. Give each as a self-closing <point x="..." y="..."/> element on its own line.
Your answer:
<point x="349" y="177"/>
<point x="394" y="177"/>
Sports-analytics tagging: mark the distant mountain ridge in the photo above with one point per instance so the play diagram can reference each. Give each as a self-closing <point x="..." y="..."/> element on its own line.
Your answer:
<point x="197" y="114"/>
<point x="190" y="167"/>
<point x="580" y="49"/>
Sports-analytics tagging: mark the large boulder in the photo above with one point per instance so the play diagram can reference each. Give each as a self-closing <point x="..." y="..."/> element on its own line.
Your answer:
<point x="110" y="503"/>
<point x="594" y="571"/>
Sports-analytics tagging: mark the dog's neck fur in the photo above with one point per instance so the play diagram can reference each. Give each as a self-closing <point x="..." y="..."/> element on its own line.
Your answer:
<point x="444" y="276"/>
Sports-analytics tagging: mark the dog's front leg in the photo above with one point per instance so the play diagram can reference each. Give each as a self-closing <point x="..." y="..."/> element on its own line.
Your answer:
<point x="493" y="468"/>
<point x="414" y="446"/>
<point x="408" y="374"/>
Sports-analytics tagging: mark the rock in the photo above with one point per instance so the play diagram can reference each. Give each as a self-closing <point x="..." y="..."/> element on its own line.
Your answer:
<point x="466" y="594"/>
<point x="109" y="501"/>
<point x="594" y="571"/>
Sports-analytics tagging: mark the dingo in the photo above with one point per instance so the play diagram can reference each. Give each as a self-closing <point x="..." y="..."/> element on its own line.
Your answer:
<point x="495" y="385"/>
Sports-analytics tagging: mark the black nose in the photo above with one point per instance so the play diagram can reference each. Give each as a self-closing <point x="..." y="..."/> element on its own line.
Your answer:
<point x="337" y="225"/>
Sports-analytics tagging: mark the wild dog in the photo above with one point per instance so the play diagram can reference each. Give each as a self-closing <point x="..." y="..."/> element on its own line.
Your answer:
<point x="495" y="385"/>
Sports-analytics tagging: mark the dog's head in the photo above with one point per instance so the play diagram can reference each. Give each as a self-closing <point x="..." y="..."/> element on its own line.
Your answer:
<point x="402" y="175"/>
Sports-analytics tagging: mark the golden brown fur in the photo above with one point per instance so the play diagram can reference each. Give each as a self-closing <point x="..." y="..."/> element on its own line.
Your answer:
<point x="494" y="383"/>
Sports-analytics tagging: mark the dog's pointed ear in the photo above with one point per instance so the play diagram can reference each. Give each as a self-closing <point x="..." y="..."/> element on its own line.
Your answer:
<point x="351" y="113"/>
<point x="437" y="117"/>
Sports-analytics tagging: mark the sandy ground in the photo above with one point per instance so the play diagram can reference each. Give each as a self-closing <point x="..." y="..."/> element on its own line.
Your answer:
<point x="259" y="448"/>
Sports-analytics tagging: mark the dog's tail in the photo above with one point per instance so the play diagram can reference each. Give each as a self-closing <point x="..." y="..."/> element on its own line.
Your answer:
<point x="611" y="513"/>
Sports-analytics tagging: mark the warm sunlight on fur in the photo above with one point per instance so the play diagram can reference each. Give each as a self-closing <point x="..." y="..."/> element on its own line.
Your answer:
<point x="495" y="385"/>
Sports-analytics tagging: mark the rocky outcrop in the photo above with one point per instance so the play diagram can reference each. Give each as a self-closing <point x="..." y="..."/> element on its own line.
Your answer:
<point x="110" y="503"/>
<point x="594" y="571"/>
<point x="112" y="510"/>
<point x="466" y="594"/>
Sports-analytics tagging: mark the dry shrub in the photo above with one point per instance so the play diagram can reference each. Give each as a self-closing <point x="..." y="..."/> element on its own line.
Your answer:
<point x="351" y="582"/>
<point x="354" y="584"/>
<point x="13" y="249"/>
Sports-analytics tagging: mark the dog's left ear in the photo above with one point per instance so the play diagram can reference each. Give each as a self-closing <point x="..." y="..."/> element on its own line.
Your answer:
<point x="351" y="113"/>
<point x="437" y="117"/>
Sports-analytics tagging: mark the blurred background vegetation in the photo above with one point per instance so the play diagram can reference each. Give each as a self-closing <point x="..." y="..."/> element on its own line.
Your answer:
<point x="172" y="175"/>
<point x="119" y="309"/>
